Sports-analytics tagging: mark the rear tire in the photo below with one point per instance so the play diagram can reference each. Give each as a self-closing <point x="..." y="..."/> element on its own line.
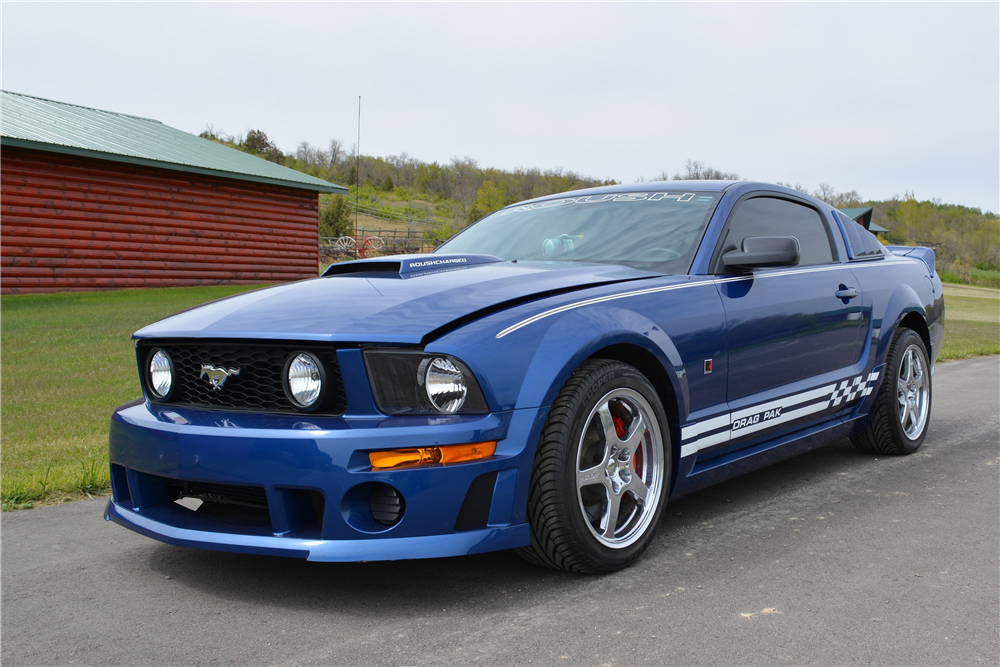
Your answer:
<point x="902" y="410"/>
<point x="599" y="481"/>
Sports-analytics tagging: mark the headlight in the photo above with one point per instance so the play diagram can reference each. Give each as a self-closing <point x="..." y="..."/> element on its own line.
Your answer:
<point x="160" y="376"/>
<point x="304" y="380"/>
<point x="445" y="384"/>
<point x="413" y="382"/>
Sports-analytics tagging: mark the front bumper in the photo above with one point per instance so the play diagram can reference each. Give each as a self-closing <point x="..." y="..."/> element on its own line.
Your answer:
<point x="316" y="478"/>
<point x="429" y="546"/>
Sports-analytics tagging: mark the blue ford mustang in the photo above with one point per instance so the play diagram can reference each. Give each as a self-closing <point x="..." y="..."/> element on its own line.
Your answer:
<point x="547" y="380"/>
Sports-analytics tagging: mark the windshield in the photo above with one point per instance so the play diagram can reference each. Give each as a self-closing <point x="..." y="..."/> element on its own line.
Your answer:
<point x="656" y="231"/>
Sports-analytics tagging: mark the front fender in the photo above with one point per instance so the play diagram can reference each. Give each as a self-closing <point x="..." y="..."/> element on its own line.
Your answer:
<point x="523" y="356"/>
<point x="529" y="369"/>
<point x="580" y="334"/>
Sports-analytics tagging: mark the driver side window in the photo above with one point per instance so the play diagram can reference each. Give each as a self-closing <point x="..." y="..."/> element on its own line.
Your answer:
<point x="769" y="216"/>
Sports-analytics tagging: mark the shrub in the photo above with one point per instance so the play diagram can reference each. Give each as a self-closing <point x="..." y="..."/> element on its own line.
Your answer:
<point x="335" y="218"/>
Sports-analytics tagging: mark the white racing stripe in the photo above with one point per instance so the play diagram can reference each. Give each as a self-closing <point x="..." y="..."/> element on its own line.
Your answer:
<point x="699" y="435"/>
<point x="600" y="299"/>
<point x="784" y="417"/>
<point x="697" y="428"/>
<point x="654" y="290"/>
<point x="785" y="402"/>
<point x="705" y="443"/>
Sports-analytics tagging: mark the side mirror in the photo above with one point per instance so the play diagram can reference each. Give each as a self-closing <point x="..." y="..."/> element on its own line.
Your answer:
<point x="759" y="251"/>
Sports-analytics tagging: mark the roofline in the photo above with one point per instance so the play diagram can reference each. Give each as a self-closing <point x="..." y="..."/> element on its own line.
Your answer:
<point x="646" y="186"/>
<point x="80" y="106"/>
<point x="171" y="166"/>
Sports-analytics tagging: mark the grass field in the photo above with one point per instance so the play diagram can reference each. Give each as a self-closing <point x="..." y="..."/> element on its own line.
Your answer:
<point x="971" y="322"/>
<point x="978" y="277"/>
<point x="68" y="361"/>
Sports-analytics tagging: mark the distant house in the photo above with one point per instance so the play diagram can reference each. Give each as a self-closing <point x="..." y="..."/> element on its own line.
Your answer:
<point x="863" y="216"/>
<point x="95" y="199"/>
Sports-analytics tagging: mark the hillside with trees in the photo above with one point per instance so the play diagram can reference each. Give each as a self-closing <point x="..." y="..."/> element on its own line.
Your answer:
<point x="445" y="197"/>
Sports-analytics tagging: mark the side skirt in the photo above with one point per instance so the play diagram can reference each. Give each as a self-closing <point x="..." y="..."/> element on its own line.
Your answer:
<point x="734" y="464"/>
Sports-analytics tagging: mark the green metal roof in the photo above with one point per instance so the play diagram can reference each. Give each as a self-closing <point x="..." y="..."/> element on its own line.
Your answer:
<point x="855" y="213"/>
<point x="46" y="125"/>
<point x="876" y="229"/>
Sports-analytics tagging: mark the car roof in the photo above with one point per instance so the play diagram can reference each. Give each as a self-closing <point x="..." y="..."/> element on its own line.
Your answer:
<point x="664" y="186"/>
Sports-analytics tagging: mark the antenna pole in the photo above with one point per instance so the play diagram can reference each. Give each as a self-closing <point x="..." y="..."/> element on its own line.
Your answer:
<point x="357" y="174"/>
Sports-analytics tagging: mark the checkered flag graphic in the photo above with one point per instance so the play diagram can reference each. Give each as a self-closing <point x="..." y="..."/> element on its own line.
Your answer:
<point x="848" y="390"/>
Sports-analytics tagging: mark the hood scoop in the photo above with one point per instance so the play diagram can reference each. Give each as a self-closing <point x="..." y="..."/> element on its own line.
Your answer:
<point x="407" y="266"/>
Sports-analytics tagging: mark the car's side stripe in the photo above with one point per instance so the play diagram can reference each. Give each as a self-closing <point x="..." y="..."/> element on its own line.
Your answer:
<point x="786" y="402"/>
<point x="600" y="299"/>
<point x="706" y="433"/>
<point x="654" y="290"/>
<point x="704" y="426"/>
<point x="704" y="443"/>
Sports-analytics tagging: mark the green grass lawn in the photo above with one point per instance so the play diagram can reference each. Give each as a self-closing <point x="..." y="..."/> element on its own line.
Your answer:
<point x="971" y="326"/>
<point x="68" y="361"/>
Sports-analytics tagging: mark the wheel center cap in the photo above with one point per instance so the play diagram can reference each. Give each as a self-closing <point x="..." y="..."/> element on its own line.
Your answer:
<point x="617" y="469"/>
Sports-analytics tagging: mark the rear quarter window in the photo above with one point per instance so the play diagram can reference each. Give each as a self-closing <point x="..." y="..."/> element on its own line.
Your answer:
<point x="861" y="243"/>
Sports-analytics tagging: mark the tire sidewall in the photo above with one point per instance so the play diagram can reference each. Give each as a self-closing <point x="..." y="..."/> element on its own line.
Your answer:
<point x="904" y="339"/>
<point x="607" y="380"/>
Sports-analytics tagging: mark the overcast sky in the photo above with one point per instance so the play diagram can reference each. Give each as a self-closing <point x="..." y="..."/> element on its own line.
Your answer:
<point x="880" y="98"/>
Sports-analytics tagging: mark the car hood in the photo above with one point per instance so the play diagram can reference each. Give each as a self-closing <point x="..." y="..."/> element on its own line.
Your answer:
<point x="405" y="299"/>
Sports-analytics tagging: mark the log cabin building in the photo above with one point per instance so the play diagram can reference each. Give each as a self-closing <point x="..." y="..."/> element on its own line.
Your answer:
<point x="94" y="199"/>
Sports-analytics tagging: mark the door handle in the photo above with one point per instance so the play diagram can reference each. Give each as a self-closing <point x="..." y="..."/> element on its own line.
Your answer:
<point x="846" y="293"/>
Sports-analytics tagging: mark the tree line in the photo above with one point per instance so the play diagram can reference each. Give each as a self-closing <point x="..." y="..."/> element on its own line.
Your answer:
<point x="965" y="239"/>
<point x="478" y="190"/>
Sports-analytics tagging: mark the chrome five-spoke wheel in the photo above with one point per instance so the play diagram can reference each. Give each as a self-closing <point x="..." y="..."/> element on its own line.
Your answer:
<point x="911" y="393"/>
<point x="601" y="472"/>
<point x="620" y="468"/>
<point x="901" y="413"/>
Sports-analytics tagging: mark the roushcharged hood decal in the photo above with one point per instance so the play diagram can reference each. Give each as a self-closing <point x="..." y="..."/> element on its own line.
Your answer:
<point x="373" y="306"/>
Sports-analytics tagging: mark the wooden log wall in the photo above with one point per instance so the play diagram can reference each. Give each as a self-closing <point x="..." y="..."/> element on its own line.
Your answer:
<point x="72" y="223"/>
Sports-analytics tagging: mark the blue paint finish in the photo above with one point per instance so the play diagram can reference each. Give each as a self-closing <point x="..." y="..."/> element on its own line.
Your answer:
<point x="248" y="453"/>
<point x="430" y="546"/>
<point x="786" y="326"/>
<point x="522" y="328"/>
<point x="360" y="307"/>
<point x="360" y="400"/>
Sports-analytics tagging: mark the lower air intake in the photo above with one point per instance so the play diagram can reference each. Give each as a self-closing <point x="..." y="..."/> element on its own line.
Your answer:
<point x="386" y="504"/>
<point x="226" y="494"/>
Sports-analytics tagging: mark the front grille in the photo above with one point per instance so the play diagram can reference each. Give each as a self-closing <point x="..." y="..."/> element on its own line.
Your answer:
<point x="259" y="386"/>
<point x="226" y="494"/>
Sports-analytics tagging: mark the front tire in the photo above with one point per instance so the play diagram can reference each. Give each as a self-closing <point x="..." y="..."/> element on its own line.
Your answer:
<point x="902" y="411"/>
<point x="599" y="481"/>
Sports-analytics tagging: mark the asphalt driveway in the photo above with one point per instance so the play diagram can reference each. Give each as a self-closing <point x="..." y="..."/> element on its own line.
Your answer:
<point x="830" y="558"/>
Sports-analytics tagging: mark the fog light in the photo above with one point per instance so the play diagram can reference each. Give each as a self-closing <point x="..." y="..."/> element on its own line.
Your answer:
<point x="420" y="456"/>
<point x="304" y="379"/>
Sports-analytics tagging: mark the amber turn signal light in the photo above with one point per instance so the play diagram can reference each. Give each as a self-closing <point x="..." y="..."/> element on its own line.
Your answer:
<point x="421" y="456"/>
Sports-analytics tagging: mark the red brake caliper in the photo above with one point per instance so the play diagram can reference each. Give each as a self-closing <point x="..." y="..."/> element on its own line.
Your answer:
<point x="620" y="430"/>
<point x="619" y="426"/>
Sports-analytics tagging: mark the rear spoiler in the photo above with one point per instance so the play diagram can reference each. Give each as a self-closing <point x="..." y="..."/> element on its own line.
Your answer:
<point x="926" y="255"/>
